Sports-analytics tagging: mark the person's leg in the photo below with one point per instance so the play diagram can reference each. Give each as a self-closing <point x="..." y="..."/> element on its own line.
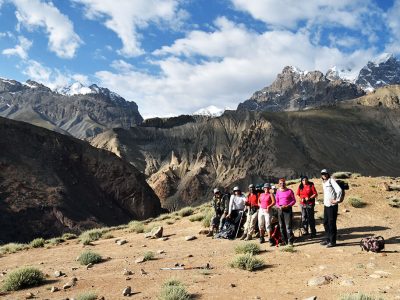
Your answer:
<point x="246" y="226"/>
<point x="311" y="220"/>
<point x="326" y="226"/>
<point x="332" y="224"/>
<point x="304" y="219"/>
<point x="282" y="226"/>
<point x="288" y="215"/>
<point x="261" y="224"/>
<point x="222" y="221"/>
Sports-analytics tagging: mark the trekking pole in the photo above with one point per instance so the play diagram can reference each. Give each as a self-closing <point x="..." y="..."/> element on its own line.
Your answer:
<point x="240" y="221"/>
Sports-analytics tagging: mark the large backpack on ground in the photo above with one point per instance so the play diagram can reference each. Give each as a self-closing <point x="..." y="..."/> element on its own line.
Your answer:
<point x="373" y="244"/>
<point x="344" y="186"/>
<point x="228" y="231"/>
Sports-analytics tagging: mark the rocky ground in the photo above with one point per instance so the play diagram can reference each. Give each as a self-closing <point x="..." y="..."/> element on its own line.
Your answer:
<point x="287" y="275"/>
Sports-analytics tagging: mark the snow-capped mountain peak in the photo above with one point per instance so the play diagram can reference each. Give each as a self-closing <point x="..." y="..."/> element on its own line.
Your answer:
<point x="211" y="111"/>
<point x="346" y="74"/>
<point x="76" y="88"/>
<point x="382" y="58"/>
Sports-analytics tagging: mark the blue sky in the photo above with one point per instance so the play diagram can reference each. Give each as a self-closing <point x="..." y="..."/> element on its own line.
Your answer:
<point x="177" y="56"/>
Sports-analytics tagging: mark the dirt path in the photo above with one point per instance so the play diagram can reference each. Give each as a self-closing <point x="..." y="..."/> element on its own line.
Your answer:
<point x="285" y="277"/>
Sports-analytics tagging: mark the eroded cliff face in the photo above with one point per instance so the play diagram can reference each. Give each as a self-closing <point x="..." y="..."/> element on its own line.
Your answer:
<point x="184" y="163"/>
<point x="51" y="184"/>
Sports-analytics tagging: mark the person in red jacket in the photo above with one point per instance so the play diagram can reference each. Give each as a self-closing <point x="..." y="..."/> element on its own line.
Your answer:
<point x="307" y="194"/>
<point x="252" y="213"/>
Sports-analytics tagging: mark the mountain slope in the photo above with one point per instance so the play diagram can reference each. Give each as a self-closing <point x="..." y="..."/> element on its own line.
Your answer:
<point x="183" y="163"/>
<point x="51" y="183"/>
<point x="79" y="111"/>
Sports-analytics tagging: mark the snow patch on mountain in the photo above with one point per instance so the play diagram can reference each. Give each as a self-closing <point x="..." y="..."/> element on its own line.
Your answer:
<point x="347" y="74"/>
<point x="76" y="88"/>
<point x="211" y="111"/>
<point x="382" y="58"/>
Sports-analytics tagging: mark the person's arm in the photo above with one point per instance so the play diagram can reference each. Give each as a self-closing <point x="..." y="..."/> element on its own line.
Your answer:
<point x="272" y="201"/>
<point x="292" y="198"/>
<point x="338" y="191"/>
<point x="258" y="201"/>
<point x="314" y="192"/>
<point x="230" y="205"/>
<point x="277" y="200"/>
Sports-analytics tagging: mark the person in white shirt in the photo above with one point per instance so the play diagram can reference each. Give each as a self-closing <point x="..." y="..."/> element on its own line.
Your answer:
<point x="236" y="203"/>
<point x="332" y="196"/>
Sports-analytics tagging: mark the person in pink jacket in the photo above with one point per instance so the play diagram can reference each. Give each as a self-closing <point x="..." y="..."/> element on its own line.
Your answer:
<point x="284" y="200"/>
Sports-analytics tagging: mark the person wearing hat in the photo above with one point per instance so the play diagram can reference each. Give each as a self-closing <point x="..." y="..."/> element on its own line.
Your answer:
<point x="252" y="213"/>
<point x="265" y="201"/>
<point x="220" y="205"/>
<point x="284" y="201"/>
<point x="307" y="195"/>
<point x="332" y="196"/>
<point x="236" y="204"/>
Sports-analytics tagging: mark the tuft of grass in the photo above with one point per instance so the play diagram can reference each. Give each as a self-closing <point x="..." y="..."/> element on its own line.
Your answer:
<point x="247" y="262"/>
<point x="37" y="243"/>
<point x="288" y="248"/>
<point x="208" y="215"/>
<point x="292" y="181"/>
<point x="170" y="222"/>
<point x="149" y="255"/>
<point x="196" y="218"/>
<point x="163" y="217"/>
<point x="359" y="296"/>
<point x="69" y="236"/>
<point x="92" y="235"/>
<point x="23" y="278"/>
<point x="136" y="226"/>
<point x="356" y="202"/>
<point x="12" y="248"/>
<point x="87" y="296"/>
<point x="356" y="175"/>
<point x="342" y="175"/>
<point x="251" y="248"/>
<point x="89" y="257"/>
<point x="394" y="202"/>
<point x="55" y="241"/>
<point x="186" y="211"/>
<point x="173" y="290"/>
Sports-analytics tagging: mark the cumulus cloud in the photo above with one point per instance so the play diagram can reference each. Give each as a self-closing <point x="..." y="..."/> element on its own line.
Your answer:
<point x="21" y="49"/>
<point x="235" y="62"/>
<point x="126" y="18"/>
<point x="34" y="14"/>
<point x="393" y="22"/>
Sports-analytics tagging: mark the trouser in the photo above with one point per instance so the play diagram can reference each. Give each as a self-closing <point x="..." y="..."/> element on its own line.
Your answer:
<point x="330" y="217"/>
<point x="264" y="220"/>
<point x="251" y="221"/>
<point x="286" y="224"/>
<point x="307" y="218"/>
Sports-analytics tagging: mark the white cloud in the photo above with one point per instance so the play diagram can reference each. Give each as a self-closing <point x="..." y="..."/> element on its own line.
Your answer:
<point x="21" y="49"/>
<point x="289" y="13"/>
<point x="59" y="28"/>
<point x="393" y="22"/>
<point x="126" y="18"/>
<point x="236" y="62"/>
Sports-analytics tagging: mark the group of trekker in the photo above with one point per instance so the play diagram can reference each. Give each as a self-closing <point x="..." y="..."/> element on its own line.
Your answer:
<point x="267" y="211"/>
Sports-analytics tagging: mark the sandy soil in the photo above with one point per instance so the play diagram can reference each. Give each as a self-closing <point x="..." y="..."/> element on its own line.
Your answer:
<point x="285" y="277"/>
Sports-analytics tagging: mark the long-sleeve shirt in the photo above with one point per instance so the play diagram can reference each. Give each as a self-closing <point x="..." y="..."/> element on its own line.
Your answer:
<point x="332" y="191"/>
<point x="236" y="202"/>
<point x="220" y="204"/>
<point x="307" y="191"/>
<point x="285" y="198"/>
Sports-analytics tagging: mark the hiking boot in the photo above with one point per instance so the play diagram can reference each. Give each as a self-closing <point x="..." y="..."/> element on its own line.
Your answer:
<point x="324" y="243"/>
<point x="262" y="240"/>
<point x="330" y="245"/>
<point x="271" y="244"/>
<point x="257" y="234"/>
<point x="209" y="234"/>
<point x="248" y="237"/>
<point x="291" y="244"/>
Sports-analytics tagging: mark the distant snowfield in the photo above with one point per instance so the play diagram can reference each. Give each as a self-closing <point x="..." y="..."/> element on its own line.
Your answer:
<point x="212" y="111"/>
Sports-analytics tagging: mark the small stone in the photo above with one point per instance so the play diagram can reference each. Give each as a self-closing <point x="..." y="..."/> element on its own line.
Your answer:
<point x="233" y="285"/>
<point x="88" y="266"/>
<point x="347" y="282"/>
<point x="128" y="278"/>
<point x="322" y="267"/>
<point x="204" y="231"/>
<point x="311" y="298"/>
<point x="160" y="251"/>
<point x="29" y="296"/>
<point x="122" y="242"/>
<point x="127" y="291"/>
<point x="346" y="210"/>
<point x="143" y="272"/>
<point x="189" y="255"/>
<point x="144" y="246"/>
<point x="74" y="268"/>
<point x="139" y="260"/>
<point x="382" y="273"/>
<point x="376" y="276"/>
<point x="127" y="272"/>
<point x="54" y="289"/>
<point x="190" y="238"/>
<point x="317" y="281"/>
<point x="155" y="233"/>
<point x="383" y="254"/>
<point x="58" y="274"/>
<point x="163" y="239"/>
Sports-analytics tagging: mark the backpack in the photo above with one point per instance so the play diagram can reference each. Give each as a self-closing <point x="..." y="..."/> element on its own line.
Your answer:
<point x="344" y="186"/>
<point x="228" y="231"/>
<point x="373" y="244"/>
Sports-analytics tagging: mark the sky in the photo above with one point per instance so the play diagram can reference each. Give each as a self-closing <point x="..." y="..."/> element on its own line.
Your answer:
<point x="177" y="56"/>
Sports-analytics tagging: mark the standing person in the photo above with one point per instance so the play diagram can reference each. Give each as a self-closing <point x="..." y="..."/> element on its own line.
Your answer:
<point x="252" y="213"/>
<point x="236" y="204"/>
<point x="284" y="201"/>
<point x="307" y="194"/>
<point x="265" y="201"/>
<point x="220" y="205"/>
<point x="332" y="196"/>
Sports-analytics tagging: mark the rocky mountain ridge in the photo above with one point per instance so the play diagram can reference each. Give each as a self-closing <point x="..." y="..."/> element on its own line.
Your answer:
<point x="79" y="111"/>
<point x="52" y="183"/>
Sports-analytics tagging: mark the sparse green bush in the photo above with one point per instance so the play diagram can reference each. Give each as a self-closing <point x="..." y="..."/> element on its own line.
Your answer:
<point x="247" y="262"/>
<point x="356" y="202"/>
<point x="37" y="243"/>
<point x="288" y="248"/>
<point x="251" y="248"/>
<point x="108" y="236"/>
<point x="89" y="257"/>
<point x="23" y="278"/>
<point x="12" y="248"/>
<point x="342" y="175"/>
<point x="208" y="216"/>
<point x="149" y="255"/>
<point x="174" y="290"/>
<point x="69" y="236"/>
<point x="55" y="241"/>
<point x="356" y="175"/>
<point x="170" y="222"/>
<point x="87" y="296"/>
<point x="136" y="226"/>
<point x="186" y="211"/>
<point x="196" y="218"/>
<point x="292" y="181"/>
<point x="359" y="296"/>
<point x="163" y="217"/>
<point x="92" y="235"/>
